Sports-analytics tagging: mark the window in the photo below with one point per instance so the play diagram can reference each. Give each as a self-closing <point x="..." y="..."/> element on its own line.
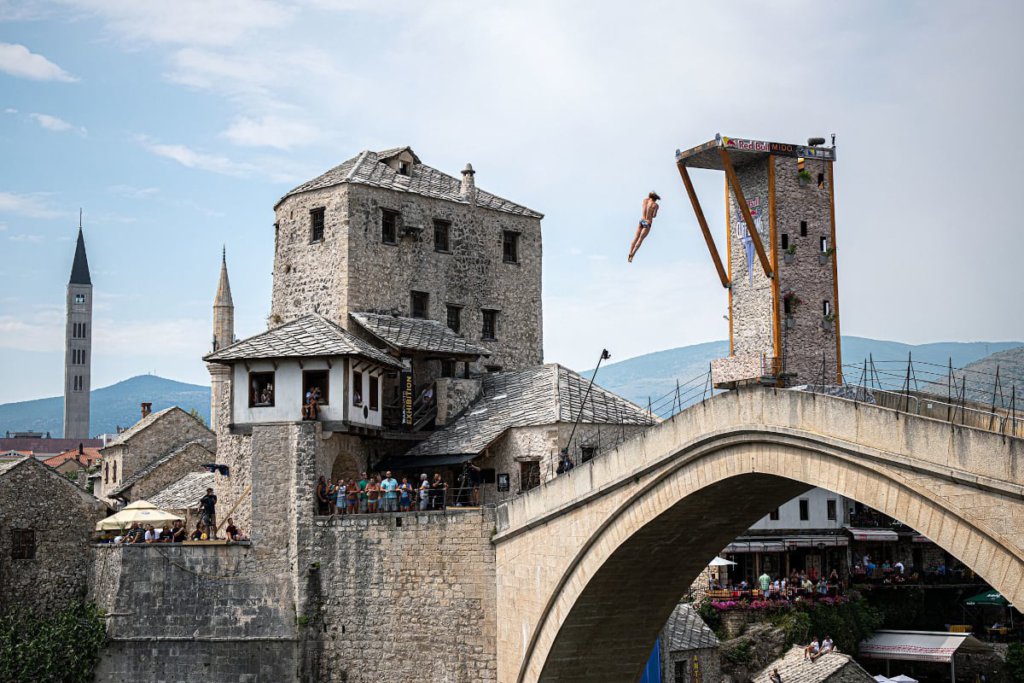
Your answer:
<point x="79" y="298"/>
<point x="803" y="228"/>
<point x="785" y="241"/>
<point x="261" y="389"/>
<point x="453" y="316"/>
<point x="442" y="235"/>
<point x="489" y="330"/>
<point x="23" y="544"/>
<point x="420" y="304"/>
<point x="510" y="247"/>
<point x="823" y="244"/>
<point x="403" y="168"/>
<point x="774" y="515"/>
<point x="114" y="475"/>
<point x="357" y="388"/>
<point x="587" y="453"/>
<point x="374" y="392"/>
<point x="787" y="305"/>
<point x="448" y="368"/>
<point x="826" y="307"/>
<point x="830" y="510"/>
<point x="529" y="475"/>
<point x="821" y="181"/>
<point x="316" y="225"/>
<point x="805" y="510"/>
<point x="316" y="379"/>
<point x="388" y="226"/>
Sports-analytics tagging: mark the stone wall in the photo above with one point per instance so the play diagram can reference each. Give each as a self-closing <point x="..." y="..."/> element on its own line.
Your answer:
<point x="190" y="458"/>
<point x="210" y="612"/>
<point x="751" y="289"/>
<point x="684" y="666"/>
<point x="453" y="396"/>
<point x="405" y="603"/>
<point x="62" y="518"/>
<point x="344" y="272"/>
<point x="807" y="273"/>
<point x="171" y="430"/>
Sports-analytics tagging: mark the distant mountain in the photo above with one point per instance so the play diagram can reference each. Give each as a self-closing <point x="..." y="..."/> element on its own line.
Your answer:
<point x="111" y="407"/>
<point x="981" y="385"/>
<point x="655" y="374"/>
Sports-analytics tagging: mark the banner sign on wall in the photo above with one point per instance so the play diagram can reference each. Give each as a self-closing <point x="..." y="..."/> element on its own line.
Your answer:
<point x="406" y="384"/>
<point x="783" y="149"/>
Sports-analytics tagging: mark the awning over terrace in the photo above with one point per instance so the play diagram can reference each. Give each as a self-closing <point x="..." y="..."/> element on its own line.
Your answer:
<point x="920" y="646"/>
<point x="875" y="535"/>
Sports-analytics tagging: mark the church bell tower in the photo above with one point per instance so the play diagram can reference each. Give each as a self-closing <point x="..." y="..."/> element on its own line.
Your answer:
<point x="78" y="345"/>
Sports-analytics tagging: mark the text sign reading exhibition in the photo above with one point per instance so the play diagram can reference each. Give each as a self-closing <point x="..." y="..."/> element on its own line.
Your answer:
<point x="780" y="148"/>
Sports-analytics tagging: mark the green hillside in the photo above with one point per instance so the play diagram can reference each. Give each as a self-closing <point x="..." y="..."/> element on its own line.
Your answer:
<point x="111" y="407"/>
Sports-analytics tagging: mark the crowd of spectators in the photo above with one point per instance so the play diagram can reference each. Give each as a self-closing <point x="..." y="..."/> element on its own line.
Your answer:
<point x="887" y="572"/>
<point x="385" y="493"/>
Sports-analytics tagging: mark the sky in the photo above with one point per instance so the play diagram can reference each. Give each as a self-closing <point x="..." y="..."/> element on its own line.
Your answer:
<point x="175" y="127"/>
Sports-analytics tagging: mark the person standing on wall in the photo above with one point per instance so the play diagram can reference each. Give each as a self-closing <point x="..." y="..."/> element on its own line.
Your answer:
<point x="208" y="514"/>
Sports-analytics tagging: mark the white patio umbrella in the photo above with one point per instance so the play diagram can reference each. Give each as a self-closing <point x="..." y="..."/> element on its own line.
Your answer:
<point x="720" y="562"/>
<point x="140" y="511"/>
<point x="903" y="679"/>
<point x="882" y="679"/>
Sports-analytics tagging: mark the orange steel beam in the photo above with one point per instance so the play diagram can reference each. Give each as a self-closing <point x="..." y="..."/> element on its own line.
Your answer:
<point x="734" y="181"/>
<point x="703" y="224"/>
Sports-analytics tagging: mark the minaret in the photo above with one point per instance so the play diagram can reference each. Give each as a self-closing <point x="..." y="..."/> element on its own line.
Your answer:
<point x="78" y="345"/>
<point x="223" y="335"/>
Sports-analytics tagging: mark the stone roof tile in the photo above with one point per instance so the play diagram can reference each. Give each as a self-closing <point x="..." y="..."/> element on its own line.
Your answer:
<point x="367" y="168"/>
<point x="540" y="395"/>
<point x="184" y="493"/>
<point x="685" y="630"/>
<point x="309" y="336"/>
<point x="794" y="669"/>
<point x="145" y="422"/>
<point x="416" y="334"/>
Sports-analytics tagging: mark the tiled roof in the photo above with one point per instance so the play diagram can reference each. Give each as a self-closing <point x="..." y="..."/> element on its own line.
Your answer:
<point x="540" y="395"/>
<point x="309" y="336"/>
<point x="148" y="469"/>
<point x="685" y="630"/>
<point x="145" y="422"/>
<point x="90" y="456"/>
<point x="44" y="446"/>
<point x="184" y="493"/>
<point x="367" y="168"/>
<point x="8" y="465"/>
<point x="794" y="669"/>
<point x="416" y="334"/>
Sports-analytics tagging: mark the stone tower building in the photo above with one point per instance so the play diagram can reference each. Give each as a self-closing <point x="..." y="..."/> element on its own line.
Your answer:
<point x="385" y="233"/>
<point x="78" y="346"/>
<point x="223" y="336"/>
<point x="781" y="240"/>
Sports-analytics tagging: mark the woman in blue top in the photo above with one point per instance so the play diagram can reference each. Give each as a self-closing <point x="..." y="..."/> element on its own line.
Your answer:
<point x="405" y="495"/>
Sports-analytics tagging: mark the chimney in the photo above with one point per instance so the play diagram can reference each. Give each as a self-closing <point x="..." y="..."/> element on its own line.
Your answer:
<point x="81" y="453"/>
<point x="147" y="408"/>
<point x="468" y="190"/>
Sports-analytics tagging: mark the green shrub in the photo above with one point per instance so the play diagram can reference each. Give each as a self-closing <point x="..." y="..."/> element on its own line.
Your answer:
<point x="1015" y="662"/>
<point x="61" y="648"/>
<point x="711" y="616"/>
<point x="740" y="653"/>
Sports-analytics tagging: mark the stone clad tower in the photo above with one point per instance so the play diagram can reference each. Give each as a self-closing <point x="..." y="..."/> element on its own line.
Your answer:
<point x="223" y="335"/>
<point x="78" y="346"/>
<point x="780" y="266"/>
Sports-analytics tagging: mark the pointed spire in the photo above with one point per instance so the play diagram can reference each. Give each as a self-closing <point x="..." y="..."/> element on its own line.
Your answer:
<point x="223" y="287"/>
<point x="80" y="267"/>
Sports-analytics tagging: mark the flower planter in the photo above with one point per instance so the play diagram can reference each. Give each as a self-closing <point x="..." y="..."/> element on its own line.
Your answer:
<point x="823" y="258"/>
<point x="787" y="257"/>
<point x="790" y="322"/>
<point x="826" y="325"/>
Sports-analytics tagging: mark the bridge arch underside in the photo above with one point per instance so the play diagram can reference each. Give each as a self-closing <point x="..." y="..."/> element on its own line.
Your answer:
<point x="615" y="594"/>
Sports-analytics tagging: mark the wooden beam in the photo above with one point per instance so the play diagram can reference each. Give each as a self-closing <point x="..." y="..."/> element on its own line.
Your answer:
<point x="773" y="230"/>
<point x="703" y="224"/>
<point x="734" y="181"/>
<point x="835" y="273"/>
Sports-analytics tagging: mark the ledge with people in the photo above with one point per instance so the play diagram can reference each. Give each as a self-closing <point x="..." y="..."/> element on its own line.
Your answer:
<point x="387" y="493"/>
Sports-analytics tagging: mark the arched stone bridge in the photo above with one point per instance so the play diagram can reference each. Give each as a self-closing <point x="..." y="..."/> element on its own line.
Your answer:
<point x="590" y="565"/>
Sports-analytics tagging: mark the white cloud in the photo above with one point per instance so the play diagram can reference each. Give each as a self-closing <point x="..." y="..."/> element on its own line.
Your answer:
<point x="55" y="124"/>
<point x="271" y="131"/>
<point x="29" y="239"/>
<point x="187" y="22"/>
<point x="43" y="330"/>
<point x="133" y="192"/>
<point x="18" y="60"/>
<point x="30" y="205"/>
<point x="190" y="158"/>
<point x="10" y="110"/>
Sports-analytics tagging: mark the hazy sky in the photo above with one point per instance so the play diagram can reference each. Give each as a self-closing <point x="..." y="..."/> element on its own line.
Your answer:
<point x="178" y="125"/>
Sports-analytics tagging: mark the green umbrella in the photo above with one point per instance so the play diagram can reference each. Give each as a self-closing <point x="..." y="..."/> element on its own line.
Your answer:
<point x="987" y="598"/>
